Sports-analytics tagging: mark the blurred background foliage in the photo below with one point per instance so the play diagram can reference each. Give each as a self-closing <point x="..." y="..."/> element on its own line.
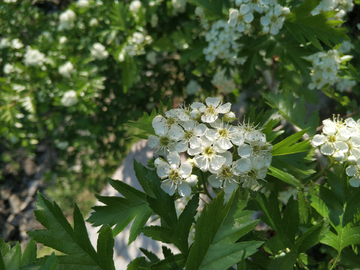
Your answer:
<point x="73" y="72"/>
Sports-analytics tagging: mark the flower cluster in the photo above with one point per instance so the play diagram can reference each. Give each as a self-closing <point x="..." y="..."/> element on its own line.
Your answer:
<point x="222" y="43"/>
<point x="232" y="154"/>
<point x="69" y="98"/>
<point x="179" y="6"/>
<point x="272" y="16"/>
<point x="66" y="69"/>
<point x="33" y="57"/>
<point x="222" y="82"/>
<point x="135" y="45"/>
<point x="325" y="68"/>
<point x="99" y="52"/>
<point x="342" y="6"/>
<point x="341" y="140"/>
<point x="67" y="19"/>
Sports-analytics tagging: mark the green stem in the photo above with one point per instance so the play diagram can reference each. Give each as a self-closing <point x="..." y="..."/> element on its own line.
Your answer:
<point x="320" y="173"/>
<point x="336" y="260"/>
<point x="204" y="184"/>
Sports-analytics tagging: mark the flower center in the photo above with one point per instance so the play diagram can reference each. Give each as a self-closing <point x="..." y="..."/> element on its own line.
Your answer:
<point x="164" y="141"/>
<point x="332" y="139"/>
<point x="226" y="172"/>
<point x="170" y="121"/>
<point x="188" y="135"/>
<point x="223" y="133"/>
<point x="174" y="175"/>
<point x="209" y="151"/>
<point x="210" y="110"/>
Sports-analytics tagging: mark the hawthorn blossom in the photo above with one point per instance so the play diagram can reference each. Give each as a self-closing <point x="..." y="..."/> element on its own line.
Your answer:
<point x="177" y="177"/>
<point x="211" y="112"/>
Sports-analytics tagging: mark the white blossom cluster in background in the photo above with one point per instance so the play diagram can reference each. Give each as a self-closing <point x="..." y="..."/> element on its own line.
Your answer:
<point x="67" y="19"/>
<point x="222" y="43"/>
<point x="272" y="16"/>
<point x="179" y="6"/>
<point x="341" y="140"/>
<point x="326" y="66"/>
<point x="33" y="57"/>
<point x="135" y="45"/>
<point x="211" y="141"/>
<point x="342" y="6"/>
<point x="222" y="82"/>
<point x="99" y="52"/>
<point x="69" y="98"/>
<point x="192" y="87"/>
<point x="66" y="69"/>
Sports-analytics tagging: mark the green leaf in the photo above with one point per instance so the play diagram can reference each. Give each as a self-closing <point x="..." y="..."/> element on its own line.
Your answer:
<point x="305" y="8"/>
<point x="314" y="28"/>
<point x="212" y="8"/>
<point x="9" y="257"/>
<point x="294" y="111"/>
<point x="60" y="236"/>
<point x="29" y="255"/>
<point x="288" y="146"/>
<point x="285" y="177"/>
<point x="51" y="263"/>
<point x="139" y="263"/>
<point x="120" y="211"/>
<point x="151" y="256"/>
<point x="217" y="231"/>
<point x="142" y="177"/>
<point x="176" y="261"/>
<point x="311" y="237"/>
<point x="105" y="246"/>
<point x="304" y="207"/>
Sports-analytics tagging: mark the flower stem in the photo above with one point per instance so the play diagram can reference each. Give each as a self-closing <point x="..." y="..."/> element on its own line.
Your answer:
<point x="320" y="173"/>
<point x="204" y="184"/>
<point x="336" y="260"/>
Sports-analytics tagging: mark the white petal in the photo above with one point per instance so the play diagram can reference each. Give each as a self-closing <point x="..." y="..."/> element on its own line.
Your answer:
<point x="163" y="170"/>
<point x="174" y="159"/>
<point x="192" y="180"/>
<point x="181" y="146"/>
<point x="318" y="140"/>
<point x="249" y="18"/>
<point x="244" y="150"/>
<point x="327" y="149"/>
<point x="211" y="134"/>
<point x="214" y="181"/>
<point x="244" y="9"/>
<point x="224" y="143"/>
<point x="188" y="125"/>
<point x="212" y="101"/>
<point x="176" y="132"/>
<point x="166" y="186"/>
<point x="217" y="161"/>
<point x="202" y="163"/>
<point x="185" y="169"/>
<point x="184" y="189"/>
<point x="265" y="21"/>
<point x="351" y="170"/>
<point x="224" y="108"/>
<point x="153" y="141"/>
<point x="228" y="158"/>
<point x="198" y="106"/>
<point x="241" y="166"/>
<point x="229" y="187"/>
<point x="200" y="130"/>
<point x="341" y="146"/>
<point x="209" y="118"/>
<point x="158" y="120"/>
<point x="194" y="151"/>
<point x="195" y="142"/>
<point x="354" y="182"/>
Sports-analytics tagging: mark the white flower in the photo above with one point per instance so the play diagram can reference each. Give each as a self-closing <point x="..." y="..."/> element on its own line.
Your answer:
<point x="4" y="43"/>
<point x="225" y="177"/>
<point x="224" y="135"/>
<point x="179" y="6"/>
<point x="67" y="19"/>
<point x="192" y="87"/>
<point x="154" y="20"/>
<point x="333" y="139"/>
<point x="93" y="22"/>
<point x="354" y="172"/>
<point x="166" y="135"/>
<point x="8" y="68"/>
<point x="69" y="98"/>
<point x="98" y="51"/>
<point x="177" y="177"/>
<point x="33" y="57"/>
<point x="16" y="44"/>
<point x="135" y="7"/>
<point x="190" y="136"/>
<point x="62" y="39"/>
<point x="66" y="69"/>
<point x="211" y="112"/>
<point x="82" y="3"/>
<point x="250" y="174"/>
<point x="207" y="155"/>
<point x="222" y="82"/>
